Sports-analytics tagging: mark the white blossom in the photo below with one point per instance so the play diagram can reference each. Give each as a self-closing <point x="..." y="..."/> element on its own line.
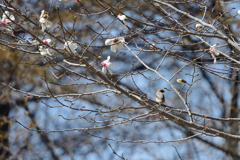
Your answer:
<point x="6" y="18"/>
<point x="122" y="18"/>
<point x="116" y="43"/>
<point x="239" y="12"/>
<point x="214" y="50"/>
<point x="70" y="45"/>
<point x="44" y="51"/>
<point x="44" y="22"/>
<point x="106" y="65"/>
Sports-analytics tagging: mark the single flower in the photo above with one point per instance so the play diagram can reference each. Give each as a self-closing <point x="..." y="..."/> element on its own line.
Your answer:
<point x="47" y="41"/>
<point x="44" y="22"/>
<point x="44" y="51"/>
<point x="6" y="18"/>
<point x="35" y="42"/>
<point x="116" y="43"/>
<point x="70" y="46"/>
<point x="122" y="18"/>
<point x="106" y="65"/>
<point x="214" y="50"/>
<point x="198" y="26"/>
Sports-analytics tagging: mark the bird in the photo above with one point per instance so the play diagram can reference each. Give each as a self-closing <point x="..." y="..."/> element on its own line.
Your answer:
<point x="160" y="97"/>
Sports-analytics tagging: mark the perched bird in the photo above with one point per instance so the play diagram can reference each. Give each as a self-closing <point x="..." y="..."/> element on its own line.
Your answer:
<point x="198" y="26"/>
<point x="159" y="96"/>
<point x="181" y="81"/>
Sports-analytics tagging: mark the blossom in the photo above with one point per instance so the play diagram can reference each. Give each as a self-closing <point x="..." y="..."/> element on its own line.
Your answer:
<point x="6" y="18"/>
<point x="44" y="22"/>
<point x="116" y="43"/>
<point x="35" y="42"/>
<point x="122" y="18"/>
<point x="198" y="26"/>
<point x="106" y="65"/>
<point x="214" y="50"/>
<point x="70" y="46"/>
<point x="239" y="12"/>
<point x="44" y="51"/>
<point x="47" y="41"/>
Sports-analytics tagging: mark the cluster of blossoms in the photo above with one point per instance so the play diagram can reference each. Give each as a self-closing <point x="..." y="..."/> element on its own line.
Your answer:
<point x="6" y="18"/>
<point x="69" y="45"/>
<point x="115" y="43"/>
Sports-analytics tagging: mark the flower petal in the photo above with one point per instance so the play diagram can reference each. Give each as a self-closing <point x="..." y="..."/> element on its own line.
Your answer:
<point x="42" y="20"/>
<point x="7" y="21"/>
<point x="12" y="18"/>
<point x="49" y="24"/>
<point x="110" y="65"/>
<point x="43" y="27"/>
<point x="217" y="53"/>
<point x="113" y="48"/>
<point x="110" y="72"/>
<point x="121" y="39"/>
<point x="108" y="58"/>
<point x="48" y="40"/>
<point x="108" y="42"/>
<point x="74" y="45"/>
<point x="47" y="50"/>
<point x="6" y="13"/>
<point x="104" y="70"/>
<point x="4" y="17"/>
<point x="119" y="46"/>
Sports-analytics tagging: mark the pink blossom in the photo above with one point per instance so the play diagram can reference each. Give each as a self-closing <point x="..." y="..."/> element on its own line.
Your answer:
<point x="47" y="41"/>
<point x="106" y="65"/>
<point x="6" y="18"/>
